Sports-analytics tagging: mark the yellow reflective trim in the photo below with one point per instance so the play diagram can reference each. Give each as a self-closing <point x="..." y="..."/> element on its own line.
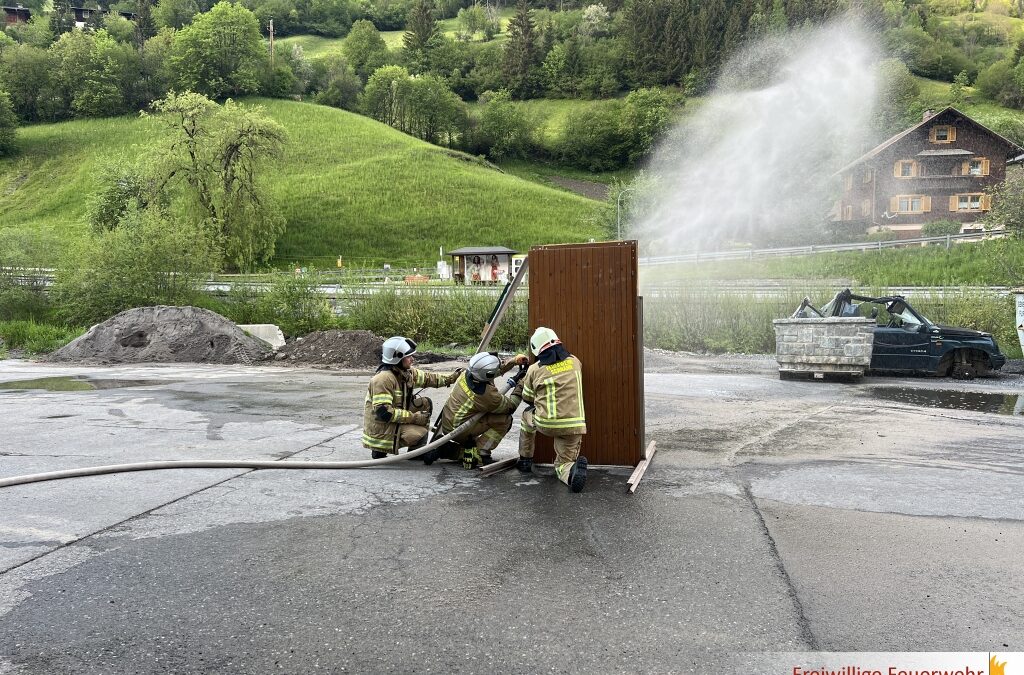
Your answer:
<point x="379" y="443"/>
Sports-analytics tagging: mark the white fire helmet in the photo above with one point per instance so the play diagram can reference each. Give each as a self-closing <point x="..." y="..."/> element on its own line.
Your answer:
<point x="395" y="349"/>
<point x="484" y="366"/>
<point x="541" y="339"/>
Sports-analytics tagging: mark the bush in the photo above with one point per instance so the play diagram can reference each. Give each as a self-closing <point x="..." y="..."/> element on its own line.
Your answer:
<point x="940" y="228"/>
<point x="147" y="260"/>
<point x="439" y="316"/>
<point x="295" y="304"/>
<point x="882" y="234"/>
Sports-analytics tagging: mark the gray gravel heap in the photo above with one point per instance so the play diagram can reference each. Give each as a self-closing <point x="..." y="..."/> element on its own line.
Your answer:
<point x="164" y="334"/>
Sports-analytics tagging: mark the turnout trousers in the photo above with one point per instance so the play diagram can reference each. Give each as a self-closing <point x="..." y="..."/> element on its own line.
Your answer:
<point x="567" y="444"/>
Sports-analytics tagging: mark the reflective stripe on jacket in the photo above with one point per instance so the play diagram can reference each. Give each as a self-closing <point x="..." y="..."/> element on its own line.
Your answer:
<point x="556" y="391"/>
<point x="464" y="402"/>
<point x="393" y="390"/>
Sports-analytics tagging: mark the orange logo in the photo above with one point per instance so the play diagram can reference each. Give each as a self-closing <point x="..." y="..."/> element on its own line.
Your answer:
<point x="994" y="667"/>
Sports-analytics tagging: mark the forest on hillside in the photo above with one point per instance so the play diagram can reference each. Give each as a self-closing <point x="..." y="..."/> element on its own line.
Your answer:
<point x="460" y="66"/>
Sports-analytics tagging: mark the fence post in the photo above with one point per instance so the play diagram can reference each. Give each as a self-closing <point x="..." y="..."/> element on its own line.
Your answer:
<point x="947" y="242"/>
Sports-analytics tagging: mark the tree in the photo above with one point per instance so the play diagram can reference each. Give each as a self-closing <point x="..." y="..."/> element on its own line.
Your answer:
<point x="420" y="35"/>
<point x="433" y="110"/>
<point x="645" y="119"/>
<point x="1007" y="210"/>
<point x="62" y="18"/>
<point x="215" y="156"/>
<point x="145" y="25"/>
<point x="336" y="83"/>
<point x="175" y="14"/>
<point x="8" y="125"/>
<point x="365" y="49"/>
<point x="504" y="126"/>
<point x="521" y="57"/>
<point x="220" y="53"/>
<point x="897" y="104"/>
<point x="386" y="96"/>
<point x="956" y="90"/>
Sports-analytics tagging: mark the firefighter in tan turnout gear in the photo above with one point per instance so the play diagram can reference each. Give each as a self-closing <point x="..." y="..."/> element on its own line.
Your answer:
<point x="474" y="392"/>
<point x="554" y="385"/>
<point x="393" y="417"/>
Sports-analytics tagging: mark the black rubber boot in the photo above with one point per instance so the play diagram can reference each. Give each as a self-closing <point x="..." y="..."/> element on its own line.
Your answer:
<point x="578" y="475"/>
<point x="378" y="454"/>
<point x="486" y="459"/>
<point x="525" y="464"/>
<point x="431" y="456"/>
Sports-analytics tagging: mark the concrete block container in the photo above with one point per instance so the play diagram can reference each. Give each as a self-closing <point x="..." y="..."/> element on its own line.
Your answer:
<point x="823" y="346"/>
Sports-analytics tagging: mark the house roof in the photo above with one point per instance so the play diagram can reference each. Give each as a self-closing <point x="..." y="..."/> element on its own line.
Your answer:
<point x="1012" y="148"/>
<point x="482" y="250"/>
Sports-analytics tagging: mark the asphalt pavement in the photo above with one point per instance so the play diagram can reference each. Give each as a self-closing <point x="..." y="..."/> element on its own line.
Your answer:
<point x="778" y="516"/>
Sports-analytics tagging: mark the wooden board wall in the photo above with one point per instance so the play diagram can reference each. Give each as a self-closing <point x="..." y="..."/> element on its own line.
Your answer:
<point x="587" y="293"/>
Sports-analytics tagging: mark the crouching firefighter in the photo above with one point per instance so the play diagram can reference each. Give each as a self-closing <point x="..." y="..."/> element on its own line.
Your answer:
<point x="474" y="392"/>
<point x="553" y="386"/>
<point x="393" y="417"/>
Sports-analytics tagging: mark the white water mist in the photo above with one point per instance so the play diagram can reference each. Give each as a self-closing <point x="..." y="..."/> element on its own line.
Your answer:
<point x="755" y="162"/>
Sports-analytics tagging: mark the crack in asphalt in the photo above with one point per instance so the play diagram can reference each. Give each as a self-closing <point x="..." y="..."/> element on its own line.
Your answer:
<point x="804" y="624"/>
<point x="150" y="511"/>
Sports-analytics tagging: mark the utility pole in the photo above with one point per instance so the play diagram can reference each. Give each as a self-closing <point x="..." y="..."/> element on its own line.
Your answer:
<point x="271" y="43"/>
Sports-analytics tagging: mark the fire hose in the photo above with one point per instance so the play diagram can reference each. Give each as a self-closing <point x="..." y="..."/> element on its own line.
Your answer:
<point x="243" y="464"/>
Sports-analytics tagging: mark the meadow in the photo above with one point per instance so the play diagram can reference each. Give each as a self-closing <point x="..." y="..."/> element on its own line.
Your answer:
<point x="347" y="185"/>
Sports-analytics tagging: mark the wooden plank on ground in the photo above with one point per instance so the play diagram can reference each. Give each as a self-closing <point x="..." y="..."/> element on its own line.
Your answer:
<point x="498" y="467"/>
<point x="641" y="467"/>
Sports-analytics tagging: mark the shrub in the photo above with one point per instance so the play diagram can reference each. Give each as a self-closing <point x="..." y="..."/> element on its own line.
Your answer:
<point x="940" y="228"/>
<point x="295" y="304"/>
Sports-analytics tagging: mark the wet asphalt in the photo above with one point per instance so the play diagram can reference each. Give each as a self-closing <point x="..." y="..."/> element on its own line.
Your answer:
<point x="778" y="516"/>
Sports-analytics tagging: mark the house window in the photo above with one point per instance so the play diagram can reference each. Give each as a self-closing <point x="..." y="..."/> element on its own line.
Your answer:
<point x="942" y="133"/>
<point x="865" y="207"/>
<point x="976" y="167"/>
<point x="848" y="182"/>
<point x="847" y="212"/>
<point x="910" y="204"/>
<point x="869" y="175"/>
<point x="905" y="168"/>
<point x="969" y="202"/>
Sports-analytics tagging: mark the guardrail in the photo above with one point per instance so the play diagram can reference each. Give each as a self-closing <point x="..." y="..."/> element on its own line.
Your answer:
<point x="753" y="254"/>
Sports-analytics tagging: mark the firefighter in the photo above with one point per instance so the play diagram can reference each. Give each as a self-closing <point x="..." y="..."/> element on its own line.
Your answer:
<point x="474" y="392"/>
<point x="553" y="386"/>
<point x="393" y="417"/>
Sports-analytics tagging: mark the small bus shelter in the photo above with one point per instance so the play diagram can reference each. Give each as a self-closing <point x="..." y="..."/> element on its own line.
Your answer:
<point x="482" y="264"/>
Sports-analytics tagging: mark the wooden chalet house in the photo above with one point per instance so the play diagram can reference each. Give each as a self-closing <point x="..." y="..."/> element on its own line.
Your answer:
<point x="16" y="14"/>
<point x="936" y="170"/>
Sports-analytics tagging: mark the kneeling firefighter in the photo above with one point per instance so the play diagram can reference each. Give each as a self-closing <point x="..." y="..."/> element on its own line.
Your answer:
<point x="554" y="387"/>
<point x="474" y="392"/>
<point x="393" y="417"/>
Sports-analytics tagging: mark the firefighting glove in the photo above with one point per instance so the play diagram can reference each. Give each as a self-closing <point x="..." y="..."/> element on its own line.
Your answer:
<point x="453" y="378"/>
<point x="420" y="419"/>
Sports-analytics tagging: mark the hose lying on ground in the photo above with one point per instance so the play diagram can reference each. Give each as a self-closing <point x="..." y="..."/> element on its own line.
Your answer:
<point x="238" y="464"/>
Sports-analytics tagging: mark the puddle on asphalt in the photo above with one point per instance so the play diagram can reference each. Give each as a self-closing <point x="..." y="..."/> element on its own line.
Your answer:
<point x="74" y="384"/>
<point x="1002" y="404"/>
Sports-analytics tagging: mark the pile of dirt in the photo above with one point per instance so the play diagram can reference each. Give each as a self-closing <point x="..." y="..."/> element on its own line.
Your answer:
<point x="355" y="349"/>
<point x="164" y="334"/>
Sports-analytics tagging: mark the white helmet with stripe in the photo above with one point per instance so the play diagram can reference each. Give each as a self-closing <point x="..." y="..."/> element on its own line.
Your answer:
<point x="395" y="349"/>
<point x="484" y="367"/>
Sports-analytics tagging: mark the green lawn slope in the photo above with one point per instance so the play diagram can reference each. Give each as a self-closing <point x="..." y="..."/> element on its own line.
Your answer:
<point x="347" y="185"/>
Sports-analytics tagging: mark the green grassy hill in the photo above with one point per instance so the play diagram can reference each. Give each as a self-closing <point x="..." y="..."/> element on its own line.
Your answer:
<point x="347" y="185"/>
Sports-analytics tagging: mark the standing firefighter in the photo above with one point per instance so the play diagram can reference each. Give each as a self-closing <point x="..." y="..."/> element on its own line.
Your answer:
<point x="474" y="392"/>
<point x="554" y="385"/>
<point x="393" y="417"/>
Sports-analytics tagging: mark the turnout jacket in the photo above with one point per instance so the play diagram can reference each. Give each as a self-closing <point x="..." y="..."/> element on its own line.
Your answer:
<point x="464" y="402"/>
<point x="556" y="391"/>
<point x="392" y="388"/>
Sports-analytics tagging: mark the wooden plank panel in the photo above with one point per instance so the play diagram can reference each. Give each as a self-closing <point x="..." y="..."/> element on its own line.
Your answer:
<point x="587" y="293"/>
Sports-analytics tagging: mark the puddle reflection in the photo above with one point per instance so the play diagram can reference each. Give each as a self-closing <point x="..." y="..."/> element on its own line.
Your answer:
<point x="1001" y="404"/>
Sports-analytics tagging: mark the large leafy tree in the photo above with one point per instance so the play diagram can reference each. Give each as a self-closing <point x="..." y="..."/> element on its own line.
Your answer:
<point x="221" y="53"/>
<point x="365" y="49"/>
<point x="521" y="60"/>
<point x="214" y="158"/>
<point x="62" y="18"/>
<point x="175" y="14"/>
